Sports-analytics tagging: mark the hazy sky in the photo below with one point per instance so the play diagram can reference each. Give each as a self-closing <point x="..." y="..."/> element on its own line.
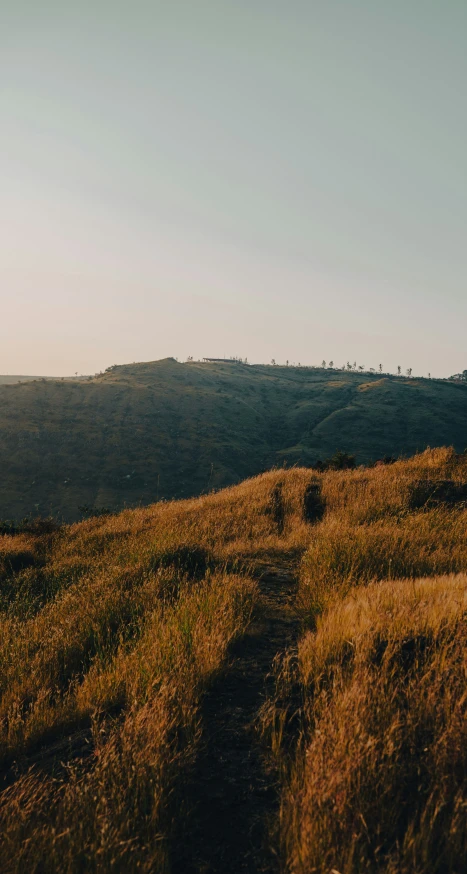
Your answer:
<point x="263" y="178"/>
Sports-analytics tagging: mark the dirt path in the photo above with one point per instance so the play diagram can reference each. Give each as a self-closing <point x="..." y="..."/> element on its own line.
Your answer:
<point x="233" y="793"/>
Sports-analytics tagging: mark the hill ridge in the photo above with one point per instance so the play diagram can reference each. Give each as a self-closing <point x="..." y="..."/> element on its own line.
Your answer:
<point x="166" y="429"/>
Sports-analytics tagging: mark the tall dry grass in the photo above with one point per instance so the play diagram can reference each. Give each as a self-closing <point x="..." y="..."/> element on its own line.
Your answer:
<point x="111" y="631"/>
<point x="141" y="695"/>
<point x="366" y="495"/>
<point x="375" y="530"/>
<point x="379" y="782"/>
<point x="341" y="555"/>
<point x="368" y="722"/>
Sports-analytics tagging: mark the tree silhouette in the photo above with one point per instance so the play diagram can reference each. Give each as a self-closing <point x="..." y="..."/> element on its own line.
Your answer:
<point x="409" y="371"/>
<point x="399" y="370"/>
<point x="380" y="368"/>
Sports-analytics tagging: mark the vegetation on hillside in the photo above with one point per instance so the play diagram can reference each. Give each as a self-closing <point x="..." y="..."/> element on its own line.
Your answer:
<point x="143" y="432"/>
<point x="378" y="782"/>
<point x="113" y="630"/>
<point x="377" y="778"/>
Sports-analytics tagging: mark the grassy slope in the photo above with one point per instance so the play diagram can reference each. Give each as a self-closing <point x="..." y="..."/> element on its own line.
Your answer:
<point x="115" y="627"/>
<point x="165" y="429"/>
<point x="377" y="781"/>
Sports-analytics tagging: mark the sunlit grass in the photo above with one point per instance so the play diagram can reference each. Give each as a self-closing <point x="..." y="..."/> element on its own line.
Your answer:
<point x="114" y="629"/>
<point x="380" y="780"/>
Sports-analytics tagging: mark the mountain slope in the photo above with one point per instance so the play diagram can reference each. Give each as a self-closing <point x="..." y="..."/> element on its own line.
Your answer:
<point x="162" y="429"/>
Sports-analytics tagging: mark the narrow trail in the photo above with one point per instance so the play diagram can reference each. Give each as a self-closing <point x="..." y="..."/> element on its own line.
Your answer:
<point x="233" y="793"/>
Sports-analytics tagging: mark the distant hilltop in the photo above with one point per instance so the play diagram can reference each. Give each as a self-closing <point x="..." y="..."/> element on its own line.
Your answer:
<point x="226" y="360"/>
<point x="138" y="433"/>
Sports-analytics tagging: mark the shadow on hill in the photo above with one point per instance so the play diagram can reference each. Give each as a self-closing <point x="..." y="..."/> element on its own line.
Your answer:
<point x="233" y="793"/>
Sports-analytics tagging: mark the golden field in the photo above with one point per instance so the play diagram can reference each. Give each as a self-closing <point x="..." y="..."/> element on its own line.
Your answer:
<point x="114" y="630"/>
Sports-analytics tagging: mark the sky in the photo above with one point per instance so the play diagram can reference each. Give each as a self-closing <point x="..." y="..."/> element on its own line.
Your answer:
<point x="258" y="178"/>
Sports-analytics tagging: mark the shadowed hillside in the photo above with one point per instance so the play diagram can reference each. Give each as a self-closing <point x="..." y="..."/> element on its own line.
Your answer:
<point x="143" y="432"/>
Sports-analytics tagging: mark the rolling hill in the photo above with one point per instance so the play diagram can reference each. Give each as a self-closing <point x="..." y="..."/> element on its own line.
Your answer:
<point x="142" y="432"/>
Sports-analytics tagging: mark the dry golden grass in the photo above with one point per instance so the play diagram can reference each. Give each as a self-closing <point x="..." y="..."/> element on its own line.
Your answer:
<point x="380" y="780"/>
<point x="371" y="532"/>
<point x="342" y="555"/>
<point x="142" y="697"/>
<point x="234" y="522"/>
<point x="112" y="630"/>
<point x="365" y="495"/>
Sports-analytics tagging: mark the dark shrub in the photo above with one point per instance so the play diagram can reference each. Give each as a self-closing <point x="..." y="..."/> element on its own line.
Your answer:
<point x="276" y="508"/>
<point x="313" y="503"/>
<point x="341" y="461"/>
<point x="18" y="561"/>
<point x="38" y="525"/>
<point x="386" y="459"/>
<point x="194" y="561"/>
<point x="338" y="461"/>
<point x="431" y="493"/>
